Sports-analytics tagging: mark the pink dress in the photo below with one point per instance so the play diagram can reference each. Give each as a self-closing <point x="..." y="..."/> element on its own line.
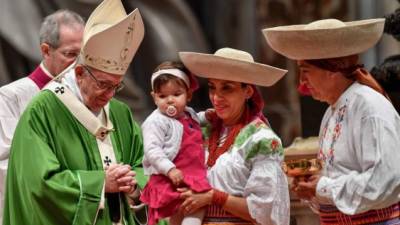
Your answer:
<point x="160" y="194"/>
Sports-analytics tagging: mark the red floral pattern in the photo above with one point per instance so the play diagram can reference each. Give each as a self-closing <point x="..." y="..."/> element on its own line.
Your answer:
<point x="331" y="136"/>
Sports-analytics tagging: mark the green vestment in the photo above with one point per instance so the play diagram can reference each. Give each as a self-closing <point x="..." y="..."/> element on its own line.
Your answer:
<point x="55" y="174"/>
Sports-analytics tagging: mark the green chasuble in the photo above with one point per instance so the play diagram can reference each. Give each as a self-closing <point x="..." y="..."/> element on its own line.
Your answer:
<point x="55" y="174"/>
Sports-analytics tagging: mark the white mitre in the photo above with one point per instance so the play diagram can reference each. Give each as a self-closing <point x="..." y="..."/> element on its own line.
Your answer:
<point x="111" y="37"/>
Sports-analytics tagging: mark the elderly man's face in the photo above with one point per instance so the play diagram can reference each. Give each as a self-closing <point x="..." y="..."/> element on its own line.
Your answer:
<point x="57" y="59"/>
<point x="97" y="87"/>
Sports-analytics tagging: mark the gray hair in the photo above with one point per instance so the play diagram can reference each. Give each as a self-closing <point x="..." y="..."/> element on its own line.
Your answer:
<point x="50" y="29"/>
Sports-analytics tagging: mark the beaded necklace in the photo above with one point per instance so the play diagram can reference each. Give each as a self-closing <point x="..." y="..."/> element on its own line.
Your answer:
<point x="214" y="150"/>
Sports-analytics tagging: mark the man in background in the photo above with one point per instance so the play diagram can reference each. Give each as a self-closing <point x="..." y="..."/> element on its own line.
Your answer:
<point x="60" y="42"/>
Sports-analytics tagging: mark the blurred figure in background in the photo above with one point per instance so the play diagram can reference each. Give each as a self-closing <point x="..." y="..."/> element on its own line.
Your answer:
<point x="388" y="75"/>
<point x="388" y="72"/>
<point x="60" y="42"/>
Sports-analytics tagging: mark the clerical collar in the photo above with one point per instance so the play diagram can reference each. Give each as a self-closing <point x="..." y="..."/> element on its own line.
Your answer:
<point x="43" y="67"/>
<point x="69" y="80"/>
<point x="40" y="76"/>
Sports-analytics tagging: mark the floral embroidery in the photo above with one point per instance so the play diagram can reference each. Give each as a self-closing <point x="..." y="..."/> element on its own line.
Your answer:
<point x="335" y="134"/>
<point x="264" y="146"/>
<point x="274" y="144"/>
<point x="245" y="134"/>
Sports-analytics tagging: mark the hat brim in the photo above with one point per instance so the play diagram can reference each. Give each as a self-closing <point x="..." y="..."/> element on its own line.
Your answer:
<point x="296" y="42"/>
<point x="217" y="67"/>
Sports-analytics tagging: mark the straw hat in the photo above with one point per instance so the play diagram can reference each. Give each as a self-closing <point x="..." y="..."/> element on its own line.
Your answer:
<point x="111" y="37"/>
<point x="231" y="64"/>
<point x="322" y="39"/>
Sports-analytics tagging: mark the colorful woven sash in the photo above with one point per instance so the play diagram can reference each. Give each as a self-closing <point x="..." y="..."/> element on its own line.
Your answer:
<point x="330" y="215"/>
<point x="215" y="215"/>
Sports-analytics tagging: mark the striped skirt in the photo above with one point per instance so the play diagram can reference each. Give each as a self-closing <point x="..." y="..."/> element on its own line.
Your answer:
<point x="215" y="215"/>
<point x="330" y="215"/>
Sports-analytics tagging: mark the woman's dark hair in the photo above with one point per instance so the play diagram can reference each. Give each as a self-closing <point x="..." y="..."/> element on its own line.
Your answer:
<point x="346" y="64"/>
<point x="165" y="78"/>
<point x="388" y="73"/>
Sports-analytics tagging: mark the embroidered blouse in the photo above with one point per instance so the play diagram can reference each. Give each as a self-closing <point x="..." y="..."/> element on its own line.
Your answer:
<point x="359" y="143"/>
<point x="251" y="168"/>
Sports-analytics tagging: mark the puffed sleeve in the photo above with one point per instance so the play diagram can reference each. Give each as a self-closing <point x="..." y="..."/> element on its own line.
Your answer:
<point x="378" y="184"/>
<point x="266" y="190"/>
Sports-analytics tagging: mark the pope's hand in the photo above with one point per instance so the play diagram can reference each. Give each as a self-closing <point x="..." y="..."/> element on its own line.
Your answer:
<point x="119" y="178"/>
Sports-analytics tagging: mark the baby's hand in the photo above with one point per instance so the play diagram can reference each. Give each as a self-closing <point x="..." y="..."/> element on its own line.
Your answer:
<point x="210" y="115"/>
<point x="176" y="176"/>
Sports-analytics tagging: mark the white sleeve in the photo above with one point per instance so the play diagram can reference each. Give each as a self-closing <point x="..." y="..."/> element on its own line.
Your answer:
<point x="378" y="184"/>
<point x="154" y="132"/>
<point x="267" y="192"/>
<point x="8" y="123"/>
<point x="7" y="128"/>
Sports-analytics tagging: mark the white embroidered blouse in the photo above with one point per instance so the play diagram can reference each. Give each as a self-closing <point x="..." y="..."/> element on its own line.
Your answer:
<point x="251" y="168"/>
<point x="360" y="145"/>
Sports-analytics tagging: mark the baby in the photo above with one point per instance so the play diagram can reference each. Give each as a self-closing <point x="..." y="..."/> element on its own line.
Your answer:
<point x="173" y="150"/>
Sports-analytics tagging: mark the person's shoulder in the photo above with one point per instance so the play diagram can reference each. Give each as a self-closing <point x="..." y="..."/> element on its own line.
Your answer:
<point x="120" y="107"/>
<point x="115" y="103"/>
<point x="42" y="104"/>
<point x="192" y="113"/>
<point x="158" y="119"/>
<point x="259" y="138"/>
<point x="43" y="99"/>
<point x="21" y="86"/>
<point x="369" y="102"/>
<point x="259" y="126"/>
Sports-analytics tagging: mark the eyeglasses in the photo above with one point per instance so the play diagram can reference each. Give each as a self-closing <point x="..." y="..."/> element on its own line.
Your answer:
<point x="104" y="85"/>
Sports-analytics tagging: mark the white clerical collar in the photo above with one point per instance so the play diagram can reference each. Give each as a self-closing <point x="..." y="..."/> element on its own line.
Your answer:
<point x="69" y="80"/>
<point x="43" y="67"/>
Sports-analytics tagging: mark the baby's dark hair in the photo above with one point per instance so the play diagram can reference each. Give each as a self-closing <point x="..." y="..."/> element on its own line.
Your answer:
<point x="165" y="78"/>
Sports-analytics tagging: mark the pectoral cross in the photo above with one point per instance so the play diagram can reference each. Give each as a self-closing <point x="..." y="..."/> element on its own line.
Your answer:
<point x="107" y="161"/>
<point x="59" y="89"/>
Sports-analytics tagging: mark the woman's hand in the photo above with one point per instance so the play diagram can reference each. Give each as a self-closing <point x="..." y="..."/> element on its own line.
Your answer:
<point x="305" y="188"/>
<point x="194" y="201"/>
<point x="211" y="115"/>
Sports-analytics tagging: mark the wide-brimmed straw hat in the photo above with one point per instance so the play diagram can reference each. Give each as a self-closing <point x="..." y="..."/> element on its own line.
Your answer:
<point x="233" y="65"/>
<point x="322" y="39"/>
